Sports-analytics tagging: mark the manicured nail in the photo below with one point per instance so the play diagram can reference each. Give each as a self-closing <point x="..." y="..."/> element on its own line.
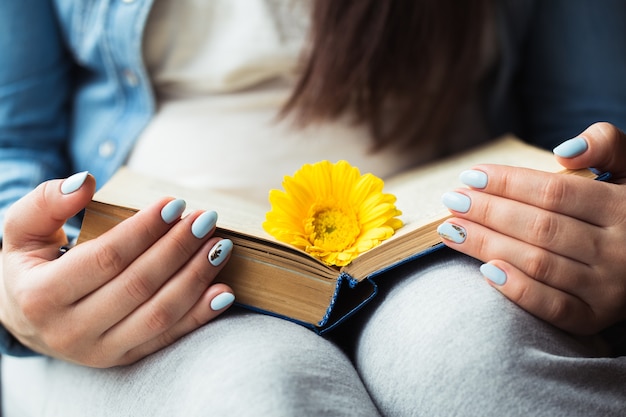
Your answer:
<point x="450" y="231"/>
<point x="456" y="201"/>
<point x="474" y="178"/>
<point x="74" y="182"/>
<point x="173" y="210"/>
<point x="493" y="274"/>
<point x="204" y="224"/>
<point x="220" y="251"/>
<point x="222" y="301"/>
<point x="571" y="148"/>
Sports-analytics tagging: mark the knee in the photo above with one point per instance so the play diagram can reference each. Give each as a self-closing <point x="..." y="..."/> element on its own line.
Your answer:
<point x="266" y="366"/>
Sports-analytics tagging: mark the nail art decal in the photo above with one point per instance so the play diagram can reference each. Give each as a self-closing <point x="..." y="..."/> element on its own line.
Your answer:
<point x="220" y="251"/>
<point x="74" y="182"/>
<point x="452" y="232"/>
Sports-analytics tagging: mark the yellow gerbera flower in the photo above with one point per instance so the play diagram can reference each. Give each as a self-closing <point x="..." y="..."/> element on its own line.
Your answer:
<point x="332" y="212"/>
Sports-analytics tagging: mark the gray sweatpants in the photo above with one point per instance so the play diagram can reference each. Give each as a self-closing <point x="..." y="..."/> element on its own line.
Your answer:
<point x="438" y="342"/>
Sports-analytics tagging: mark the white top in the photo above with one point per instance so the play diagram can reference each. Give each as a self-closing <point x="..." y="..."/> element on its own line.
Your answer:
<point x="221" y="70"/>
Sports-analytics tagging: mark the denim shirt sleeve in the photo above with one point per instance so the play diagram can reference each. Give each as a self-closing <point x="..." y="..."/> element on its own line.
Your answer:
<point x="573" y="69"/>
<point x="34" y="91"/>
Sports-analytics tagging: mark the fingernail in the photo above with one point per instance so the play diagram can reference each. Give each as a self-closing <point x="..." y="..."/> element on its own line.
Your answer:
<point x="74" y="182"/>
<point x="222" y="301"/>
<point x="474" y="178"/>
<point x="571" y="148"/>
<point x="173" y="210"/>
<point x="204" y="224"/>
<point x="493" y="274"/>
<point x="456" y="201"/>
<point x="453" y="232"/>
<point x="220" y="251"/>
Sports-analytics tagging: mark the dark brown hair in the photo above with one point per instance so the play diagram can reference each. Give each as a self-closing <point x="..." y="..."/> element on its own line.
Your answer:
<point x="401" y="66"/>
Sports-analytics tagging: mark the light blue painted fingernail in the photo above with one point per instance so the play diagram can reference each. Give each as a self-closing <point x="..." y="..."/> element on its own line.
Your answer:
<point x="74" y="182"/>
<point x="173" y="210"/>
<point x="474" y="178"/>
<point x="571" y="148"/>
<point x="220" y="251"/>
<point x="453" y="232"/>
<point x="456" y="201"/>
<point x="493" y="274"/>
<point x="204" y="224"/>
<point x="222" y="301"/>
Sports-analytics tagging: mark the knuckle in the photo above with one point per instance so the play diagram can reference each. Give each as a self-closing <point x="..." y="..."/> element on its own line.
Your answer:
<point x="160" y="318"/>
<point x="166" y="338"/>
<point x="202" y="277"/>
<point x="109" y="260"/>
<point x="553" y="194"/>
<point x="558" y="311"/>
<point x="101" y="358"/>
<point x="181" y="246"/>
<point x="66" y="343"/>
<point x="485" y="212"/>
<point x="543" y="228"/>
<point x="34" y="305"/>
<point x="138" y="287"/>
<point x="522" y="295"/>
<point x="482" y="242"/>
<point x="538" y="266"/>
<point x="506" y="182"/>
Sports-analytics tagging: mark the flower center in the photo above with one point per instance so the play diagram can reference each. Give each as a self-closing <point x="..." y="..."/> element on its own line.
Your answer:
<point x="334" y="229"/>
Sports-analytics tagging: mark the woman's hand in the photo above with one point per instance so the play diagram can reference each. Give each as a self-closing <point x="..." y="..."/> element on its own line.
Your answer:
<point x="115" y="299"/>
<point x="555" y="244"/>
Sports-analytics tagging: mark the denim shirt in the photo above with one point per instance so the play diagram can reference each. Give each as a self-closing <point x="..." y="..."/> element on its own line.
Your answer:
<point x="74" y="93"/>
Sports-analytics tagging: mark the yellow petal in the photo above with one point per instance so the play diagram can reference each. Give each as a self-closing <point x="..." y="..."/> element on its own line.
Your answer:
<point x="332" y="211"/>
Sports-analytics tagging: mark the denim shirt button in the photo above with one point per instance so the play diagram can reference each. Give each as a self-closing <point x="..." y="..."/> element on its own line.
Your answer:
<point x="106" y="149"/>
<point x="128" y="1"/>
<point x="131" y="78"/>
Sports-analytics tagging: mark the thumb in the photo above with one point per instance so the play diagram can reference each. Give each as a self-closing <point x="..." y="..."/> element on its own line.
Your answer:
<point x="601" y="146"/>
<point x="38" y="217"/>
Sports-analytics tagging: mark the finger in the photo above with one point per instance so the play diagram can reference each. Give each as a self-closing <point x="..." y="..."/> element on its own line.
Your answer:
<point x="556" y="271"/>
<point x="601" y="145"/>
<point x="37" y="218"/>
<point x="158" y="317"/>
<point x="559" y="308"/>
<point x="551" y="231"/>
<point x="94" y="263"/>
<point x="141" y="280"/>
<point x="217" y="299"/>
<point x="569" y="195"/>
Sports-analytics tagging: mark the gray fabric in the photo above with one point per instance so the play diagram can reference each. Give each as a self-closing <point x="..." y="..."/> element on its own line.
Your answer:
<point x="241" y="365"/>
<point x="439" y="342"/>
<point x="444" y="343"/>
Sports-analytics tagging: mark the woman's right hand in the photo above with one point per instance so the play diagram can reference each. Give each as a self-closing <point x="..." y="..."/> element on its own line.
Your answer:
<point x="117" y="298"/>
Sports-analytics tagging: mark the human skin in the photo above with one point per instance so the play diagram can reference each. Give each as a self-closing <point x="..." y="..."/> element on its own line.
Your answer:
<point x="112" y="300"/>
<point x="557" y="241"/>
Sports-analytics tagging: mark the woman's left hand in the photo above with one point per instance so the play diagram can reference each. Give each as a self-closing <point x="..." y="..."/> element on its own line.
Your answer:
<point x="555" y="244"/>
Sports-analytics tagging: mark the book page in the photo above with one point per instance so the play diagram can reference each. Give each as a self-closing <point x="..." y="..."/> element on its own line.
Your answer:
<point x="130" y="189"/>
<point x="419" y="191"/>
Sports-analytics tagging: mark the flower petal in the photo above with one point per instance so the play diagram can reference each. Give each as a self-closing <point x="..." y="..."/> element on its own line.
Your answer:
<point x="332" y="212"/>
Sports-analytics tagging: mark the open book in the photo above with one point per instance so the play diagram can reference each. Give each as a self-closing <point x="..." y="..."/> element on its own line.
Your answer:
<point x="277" y="279"/>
